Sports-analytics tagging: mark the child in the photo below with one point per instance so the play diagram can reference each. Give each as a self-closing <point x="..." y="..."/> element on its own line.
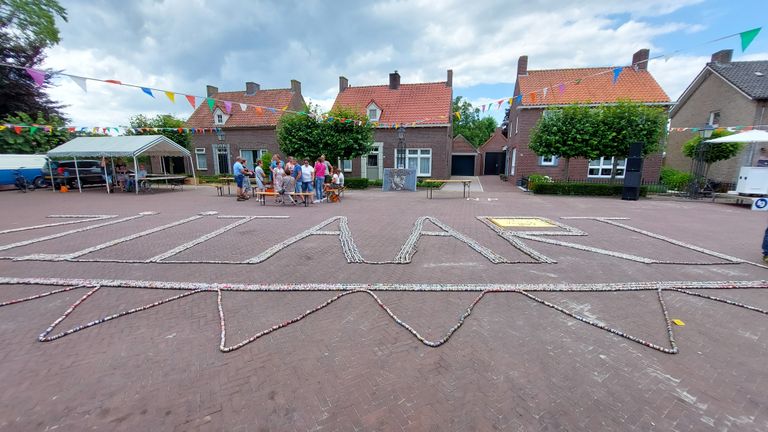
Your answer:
<point x="288" y="186"/>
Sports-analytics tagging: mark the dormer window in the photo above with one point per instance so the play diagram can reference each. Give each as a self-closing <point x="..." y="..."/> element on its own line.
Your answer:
<point x="374" y="112"/>
<point x="219" y="118"/>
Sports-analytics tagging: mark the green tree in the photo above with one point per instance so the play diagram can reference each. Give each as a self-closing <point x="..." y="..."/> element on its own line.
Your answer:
<point x="711" y="153"/>
<point x="168" y="126"/>
<point x="27" y="28"/>
<point x="340" y="136"/>
<point x="570" y="132"/>
<point x="471" y="126"/>
<point x="628" y="122"/>
<point x="34" y="139"/>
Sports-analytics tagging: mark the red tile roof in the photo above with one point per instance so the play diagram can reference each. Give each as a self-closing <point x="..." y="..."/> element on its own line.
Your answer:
<point x="495" y="141"/>
<point x="636" y="85"/>
<point x="252" y="116"/>
<point x="425" y="103"/>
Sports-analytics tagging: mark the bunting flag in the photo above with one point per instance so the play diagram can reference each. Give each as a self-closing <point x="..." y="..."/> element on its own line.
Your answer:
<point x="519" y="98"/>
<point x="116" y="82"/>
<point x="228" y="107"/>
<point x="458" y="115"/>
<point x="192" y="101"/>
<point x="243" y="107"/>
<point x="578" y="81"/>
<point x="544" y="96"/>
<point x="511" y="101"/>
<point x="747" y="37"/>
<point x="80" y="81"/>
<point x="616" y="72"/>
<point x="259" y="110"/>
<point x="483" y="106"/>
<point x="561" y="88"/>
<point x="501" y="101"/>
<point x="33" y="129"/>
<point x="533" y="97"/>
<point x="37" y="76"/>
<point x="211" y="103"/>
<point x="147" y="91"/>
<point x="171" y="96"/>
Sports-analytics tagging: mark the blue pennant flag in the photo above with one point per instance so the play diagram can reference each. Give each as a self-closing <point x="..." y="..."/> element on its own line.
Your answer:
<point x="147" y="91"/>
<point x="616" y="73"/>
<point x="519" y="98"/>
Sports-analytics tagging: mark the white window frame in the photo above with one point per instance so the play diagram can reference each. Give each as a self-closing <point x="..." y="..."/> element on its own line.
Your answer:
<point x="517" y="123"/>
<point x="711" y="120"/>
<point x="200" y="151"/>
<point x="342" y="163"/>
<point x="219" y="113"/>
<point x="605" y="163"/>
<point x="548" y="160"/>
<point x="422" y="153"/>
<point x="373" y="107"/>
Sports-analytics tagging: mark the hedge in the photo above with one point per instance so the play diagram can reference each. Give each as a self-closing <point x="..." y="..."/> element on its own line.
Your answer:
<point x="356" y="183"/>
<point x="590" y="189"/>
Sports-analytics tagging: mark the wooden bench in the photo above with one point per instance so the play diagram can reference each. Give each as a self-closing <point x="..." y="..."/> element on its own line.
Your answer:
<point x="219" y="188"/>
<point x="430" y="187"/>
<point x="306" y="197"/>
<point x="334" y="194"/>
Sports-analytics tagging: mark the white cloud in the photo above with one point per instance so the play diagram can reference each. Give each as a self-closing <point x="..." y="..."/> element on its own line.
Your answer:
<point x="182" y="45"/>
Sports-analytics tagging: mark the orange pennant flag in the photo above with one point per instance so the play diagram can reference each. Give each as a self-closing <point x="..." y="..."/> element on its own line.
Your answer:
<point x="533" y="97"/>
<point x="259" y="110"/>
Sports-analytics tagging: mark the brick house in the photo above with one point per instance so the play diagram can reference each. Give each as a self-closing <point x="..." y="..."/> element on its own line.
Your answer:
<point x="595" y="87"/>
<point x="247" y="133"/>
<point x="493" y="154"/>
<point x="424" y="109"/>
<point x="725" y="93"/>
<point x="465" y="158"/>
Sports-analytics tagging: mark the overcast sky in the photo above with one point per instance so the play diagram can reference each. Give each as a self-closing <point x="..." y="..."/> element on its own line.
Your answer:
<point x="182" y="45"/>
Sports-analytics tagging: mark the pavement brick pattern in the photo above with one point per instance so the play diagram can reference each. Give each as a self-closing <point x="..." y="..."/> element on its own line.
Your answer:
<point x="515" y="364"/>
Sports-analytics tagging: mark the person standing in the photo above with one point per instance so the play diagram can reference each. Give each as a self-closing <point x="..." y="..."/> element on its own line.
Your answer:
<point x="296" y="173"/>
<point x="319" y="179"/>
<point x="238" y="171"/>
<point x="765" y="246"/>
<point x="259" y="174"/>
<point x="307" y="176"/>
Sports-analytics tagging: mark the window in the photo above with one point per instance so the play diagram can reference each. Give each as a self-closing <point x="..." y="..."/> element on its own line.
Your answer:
<point x="373" y="112"/>
<point x="418" y="159"/>
<point x="345" y="165"/>
<point x="548" y="160"/>
<point x="202" y="162"/>
<point x="218" y="117"/>
<point x="601" y="168"/>
<point x="714" y="118"/>
<point x="517" y="123"/>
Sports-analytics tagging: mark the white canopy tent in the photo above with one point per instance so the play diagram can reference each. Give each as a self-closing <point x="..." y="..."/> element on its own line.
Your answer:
<point x="754" y="135"/>
<point x="119" y="146"/>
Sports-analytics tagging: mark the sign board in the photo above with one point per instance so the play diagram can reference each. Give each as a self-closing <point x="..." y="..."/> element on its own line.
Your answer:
<point x="521" y="223"/>
<point x="396" y="179"/>
<point x="760" y="204"/>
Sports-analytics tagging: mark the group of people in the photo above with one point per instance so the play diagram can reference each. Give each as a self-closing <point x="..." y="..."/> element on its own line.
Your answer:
<point x="121" y="178"/>
<point x="288" y="177"/>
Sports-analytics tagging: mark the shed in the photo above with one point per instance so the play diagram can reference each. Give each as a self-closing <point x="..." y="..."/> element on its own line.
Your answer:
<point x="120" y="146"/>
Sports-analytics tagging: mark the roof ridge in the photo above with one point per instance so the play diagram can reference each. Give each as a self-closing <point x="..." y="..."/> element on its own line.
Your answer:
<point x="737" y="62"/>
<point x="401" y="85"/>
<point x="572" y="69"/>
<point x="259" y="91"/>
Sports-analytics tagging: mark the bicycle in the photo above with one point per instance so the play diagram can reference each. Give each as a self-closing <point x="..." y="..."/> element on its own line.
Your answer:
<point x="21" y="182"/>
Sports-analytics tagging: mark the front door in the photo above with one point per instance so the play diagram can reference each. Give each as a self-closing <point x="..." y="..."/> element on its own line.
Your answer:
<point x="173" y="165"/>
<point x="372" y="167"/>
<point x="221" y="158"/>
<point x="494" y="163"/>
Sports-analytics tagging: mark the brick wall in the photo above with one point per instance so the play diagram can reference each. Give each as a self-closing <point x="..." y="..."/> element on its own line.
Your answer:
<point x="713" y="94"/>
<point x="245" y="139"/>
<point x="527" y="162"/>
<point x="436" y="138"/>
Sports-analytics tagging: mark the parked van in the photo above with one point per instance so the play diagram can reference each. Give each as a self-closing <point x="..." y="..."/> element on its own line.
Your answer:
<point x="30" y="166"/>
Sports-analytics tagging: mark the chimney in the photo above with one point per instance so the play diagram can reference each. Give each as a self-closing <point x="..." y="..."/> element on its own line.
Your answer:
<point x="722" y="56"/>
<point x="394" y="81"/>
<point x="522" y="65"/>
<point x="449" y="80"/>
<point x="251" y="88"/>
<point x="640" y="59"/>
<point x="343" y="83"/>
<point x="296" y="86"/>
<point x="211" y="90"/>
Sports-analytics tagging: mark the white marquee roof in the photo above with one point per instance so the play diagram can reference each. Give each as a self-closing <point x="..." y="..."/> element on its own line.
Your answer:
<point x="150" y="145"/>
<point x="754" y="135"/>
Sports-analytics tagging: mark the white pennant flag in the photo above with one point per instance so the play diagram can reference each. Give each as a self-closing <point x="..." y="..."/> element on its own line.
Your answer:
<point x="244" y="107"/>
<point x="80" y="81"/>
<point x="545" y="92"/>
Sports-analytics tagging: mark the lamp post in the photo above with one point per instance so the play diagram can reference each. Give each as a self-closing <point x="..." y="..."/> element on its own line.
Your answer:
<point x="698" y="164"/>
<point x="400" y="162"/>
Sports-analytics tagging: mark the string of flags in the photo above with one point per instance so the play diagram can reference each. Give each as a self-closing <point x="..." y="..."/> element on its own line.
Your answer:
<point x="39" y="77"/>
<point x="740" y="128"/>
<point x="746" y="39"/>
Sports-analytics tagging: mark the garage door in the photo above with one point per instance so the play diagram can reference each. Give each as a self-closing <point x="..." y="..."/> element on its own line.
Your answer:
<point x="494" y="163"/>
<point x="463" y="165"/>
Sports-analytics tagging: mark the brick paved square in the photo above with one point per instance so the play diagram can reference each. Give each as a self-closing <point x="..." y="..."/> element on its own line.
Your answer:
<point x="515" y="364"/>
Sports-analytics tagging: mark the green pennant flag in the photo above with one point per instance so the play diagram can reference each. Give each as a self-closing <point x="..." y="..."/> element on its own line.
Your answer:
<point x="211" y="103"/>
<point x="32" y="130"/>
<point x="747" y="37"/>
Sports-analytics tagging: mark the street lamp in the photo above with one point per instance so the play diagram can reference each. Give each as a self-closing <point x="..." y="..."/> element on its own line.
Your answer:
<point x="698" y="164"/>
<point x="220" y="134"/>
<point x="400" y="162"/>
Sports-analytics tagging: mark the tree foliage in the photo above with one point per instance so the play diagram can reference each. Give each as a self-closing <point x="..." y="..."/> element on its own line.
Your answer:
<point x="712" y="152"/>
<point x="581" y="131"/>
<point x="31" y="140"/>
<point x="27" y="28"/>
<point x="471" y="126"/>
<point x="168" y="122"/>
<point x="302" y="136"/>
